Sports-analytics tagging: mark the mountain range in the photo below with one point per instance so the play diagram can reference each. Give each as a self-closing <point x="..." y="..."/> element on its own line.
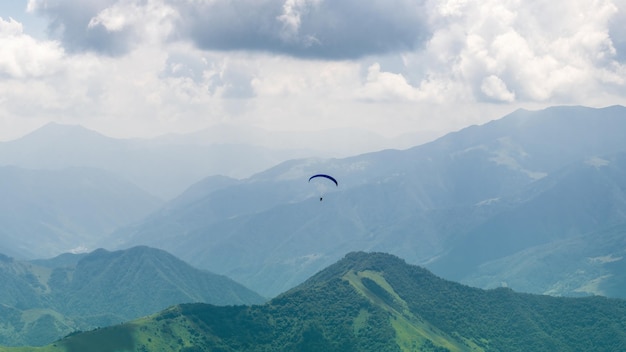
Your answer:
<point x="491" y="205"/>
<point x="533" y="202"/>
<point x="461" y="205"/>
<point x="65" y="187"/>
<point x="165" y="166"/>
<point x="162" y="167"/>
<point x="372" y="302"/>
<point x="43" y="300"/>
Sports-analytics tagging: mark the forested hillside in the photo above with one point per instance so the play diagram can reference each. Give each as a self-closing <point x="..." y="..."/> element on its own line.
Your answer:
<point x="45" y="300"/>
<point x="373" y="302"/>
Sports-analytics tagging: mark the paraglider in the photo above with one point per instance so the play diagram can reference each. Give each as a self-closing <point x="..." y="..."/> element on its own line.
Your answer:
<point x="326" y="177"/>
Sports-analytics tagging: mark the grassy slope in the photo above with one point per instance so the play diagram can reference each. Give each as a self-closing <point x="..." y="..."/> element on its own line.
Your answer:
<point x="411" y="331"/>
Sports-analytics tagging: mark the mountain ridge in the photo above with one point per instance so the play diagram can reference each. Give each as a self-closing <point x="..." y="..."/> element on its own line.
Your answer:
<point x="166" y="165"/>
<point x="419" y="203"/>
<point x="101" y="288"/>
<point x="160" y="167"/>
<point x="587" y="195"/>
<point x="372" y="302"/>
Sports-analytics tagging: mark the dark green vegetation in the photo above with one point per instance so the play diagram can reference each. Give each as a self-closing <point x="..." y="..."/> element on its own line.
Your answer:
<point x="506" y="192"/>
<point x="373" y="302"/>
<point x="45" y="300"/>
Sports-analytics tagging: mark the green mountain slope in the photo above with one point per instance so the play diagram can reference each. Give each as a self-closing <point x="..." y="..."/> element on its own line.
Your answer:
<point x="372" y="302"/>
<point x="39" y="304"/>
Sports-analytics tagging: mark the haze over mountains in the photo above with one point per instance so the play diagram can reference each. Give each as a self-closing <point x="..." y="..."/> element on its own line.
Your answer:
<point x="469" y="206"/>
<point x="64" y="188"/>
<point x="47" y="212"/>
<point x="162" y="167"/>
<point x="456" y="204"/>
<point x="165" y="166"/>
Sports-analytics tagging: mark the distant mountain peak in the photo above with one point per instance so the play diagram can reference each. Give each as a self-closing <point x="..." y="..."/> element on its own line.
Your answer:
<point x="59" y="130"/>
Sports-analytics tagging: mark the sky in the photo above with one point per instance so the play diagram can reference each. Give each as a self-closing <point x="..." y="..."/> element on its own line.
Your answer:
<point x="142" y="68"/>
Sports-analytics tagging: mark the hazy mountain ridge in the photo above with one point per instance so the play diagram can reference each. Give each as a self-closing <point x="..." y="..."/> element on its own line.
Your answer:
<point x="165" y="166"/>
<point x="373" y="302"/>
<point x="102" y="288"/>
<point x="583" y="198"/>
<point x="589" y="264"/>
<point x="428" y="204"/>
<point x="163" y="169"/>
<point x="46" y="212"/>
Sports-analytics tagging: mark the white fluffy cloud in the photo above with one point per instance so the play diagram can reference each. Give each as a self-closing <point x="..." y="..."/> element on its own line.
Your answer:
<point x="142" y="67"/>
<point x="23" y="57"/>
<point x="527" y="51"/>
<point x="493" y="87"/>
<point x="151" y="20"/>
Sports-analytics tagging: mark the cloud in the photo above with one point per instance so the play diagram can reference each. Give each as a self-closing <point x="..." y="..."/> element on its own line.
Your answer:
<point x="69" y="23"/>
<point x="291" y="19"/>
<point x="493" y="87"/>
<point x="318" y="29"/>
<point x="617" y="30"/>
<point x="233" y="80"/>
<point x="108" y="27"/>
<point x="536" y="51"/>
<point x="141" y="67"/>
<point x="151" y="21"/>
<point x="386" y="86"/>
<point x="21" y="56"/>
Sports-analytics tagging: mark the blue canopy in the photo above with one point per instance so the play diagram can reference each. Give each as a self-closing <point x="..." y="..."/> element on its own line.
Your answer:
<point x="325" y="176"/>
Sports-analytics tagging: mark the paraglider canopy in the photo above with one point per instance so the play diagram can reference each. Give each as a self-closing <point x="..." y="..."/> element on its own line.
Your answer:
<point x="325" y="176"/>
